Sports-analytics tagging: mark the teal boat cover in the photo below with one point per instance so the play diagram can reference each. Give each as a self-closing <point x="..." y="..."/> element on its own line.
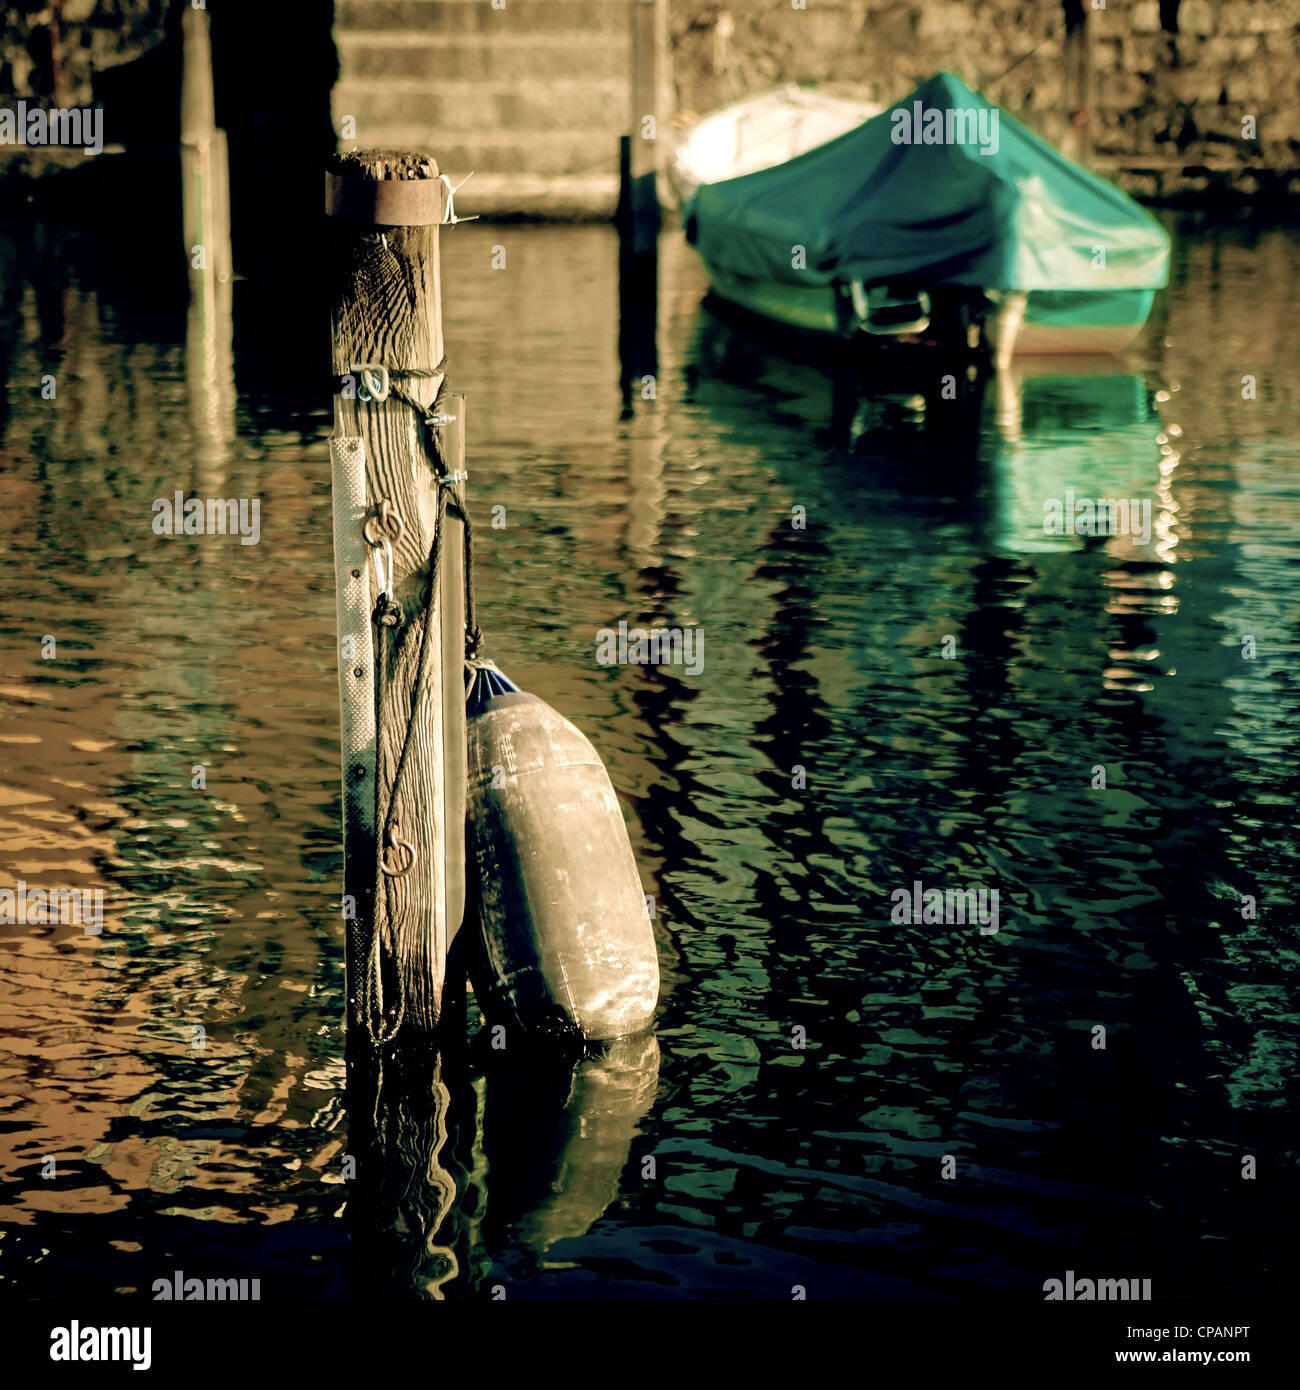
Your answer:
<point x="942" y="188"/>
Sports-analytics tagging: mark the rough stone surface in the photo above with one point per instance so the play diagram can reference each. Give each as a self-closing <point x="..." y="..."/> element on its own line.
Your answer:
<point x="535" y="90"/>
<point x="93" y="35"/>
<point x="1168" y="99"/>
<point x="1197" y="17"/>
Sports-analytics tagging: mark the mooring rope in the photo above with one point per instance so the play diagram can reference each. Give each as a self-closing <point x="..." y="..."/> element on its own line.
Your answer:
<point x="433" y="420"/>
<point x="380" y="1028"/>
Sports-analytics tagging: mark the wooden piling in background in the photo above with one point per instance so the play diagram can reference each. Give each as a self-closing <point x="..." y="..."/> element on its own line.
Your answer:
<point x="205" y="175"/>
<point x="640" y="161"/>
<point x="205" y="216"/>
<point x="639" y="217"/>
<point x="386" y="305"/>
<point x="1077" y="85"/>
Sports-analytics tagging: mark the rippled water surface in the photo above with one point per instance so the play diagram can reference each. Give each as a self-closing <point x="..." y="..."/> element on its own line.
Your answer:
<point x="917" y="685"/>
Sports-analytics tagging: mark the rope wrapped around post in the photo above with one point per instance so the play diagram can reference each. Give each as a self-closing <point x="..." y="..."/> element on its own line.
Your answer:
<point x="385" y="526"/>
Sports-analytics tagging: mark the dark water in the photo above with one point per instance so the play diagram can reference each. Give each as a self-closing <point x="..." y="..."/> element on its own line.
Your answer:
<point x="819" y="1067"/>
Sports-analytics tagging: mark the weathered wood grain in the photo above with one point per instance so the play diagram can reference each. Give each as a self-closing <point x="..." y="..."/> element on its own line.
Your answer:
<point x="386" y="304"/>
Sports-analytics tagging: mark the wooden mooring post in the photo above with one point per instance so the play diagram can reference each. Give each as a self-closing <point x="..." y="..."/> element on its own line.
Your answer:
<point x="1077" y="63"/>
<point x="401" y="688"/>
<point x="205" y="162"/>
<point x="639" y="218"/>
<point x="639" y="150"/>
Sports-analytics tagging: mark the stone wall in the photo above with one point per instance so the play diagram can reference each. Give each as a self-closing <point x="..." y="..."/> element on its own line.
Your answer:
<point x="91" y="35"/>
<point x="537" y="85"/>
<point x="1171" y="79"/>
<point x="50" y="59"/>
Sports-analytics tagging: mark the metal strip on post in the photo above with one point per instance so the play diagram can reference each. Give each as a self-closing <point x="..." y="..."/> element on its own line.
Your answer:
<point x="451" y="601"/>
<point x="357" y="674"/>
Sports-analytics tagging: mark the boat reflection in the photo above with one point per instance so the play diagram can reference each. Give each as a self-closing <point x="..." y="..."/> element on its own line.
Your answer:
<point x="856" y="397"/>
<point x="1026" y="451"/>
<point x="1077" y="459"/>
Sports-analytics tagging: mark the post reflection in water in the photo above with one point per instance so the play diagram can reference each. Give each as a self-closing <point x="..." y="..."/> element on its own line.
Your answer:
<point x="470" y="1171"/>
<point x="409" y="1231"/>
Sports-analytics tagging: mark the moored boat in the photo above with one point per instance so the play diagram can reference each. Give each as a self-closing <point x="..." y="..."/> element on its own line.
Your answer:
<point x="942" y="215"/>
<point x="761" y="131"/>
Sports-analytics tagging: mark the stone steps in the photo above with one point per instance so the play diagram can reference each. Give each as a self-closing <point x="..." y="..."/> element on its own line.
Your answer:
<point x="557" y="154"/>
<point x="532" y="97"/>
<point x="462" y="109"/>
<point x="455" y="17"/>
<point x="561" y="197"/>
<point x="402" y="56"/>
